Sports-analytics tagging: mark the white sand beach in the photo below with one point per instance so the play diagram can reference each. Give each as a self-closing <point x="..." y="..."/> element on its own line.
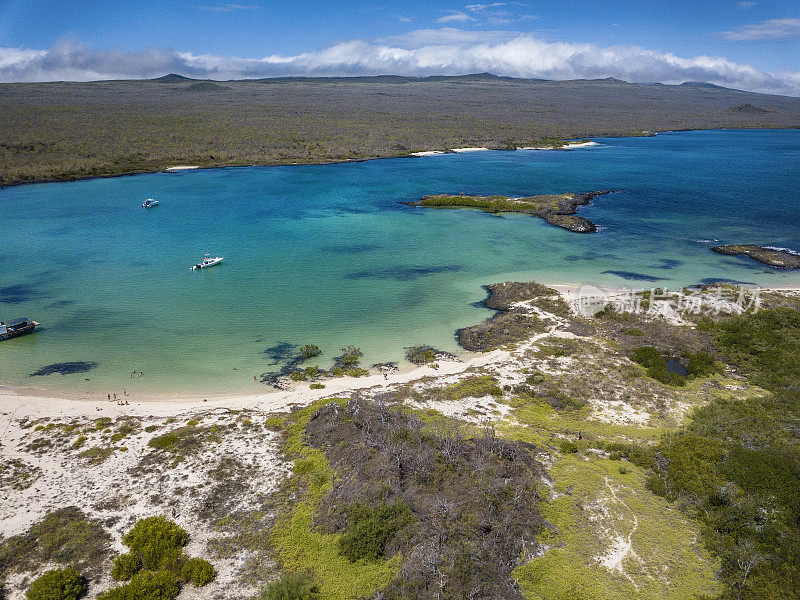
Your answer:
<point x="428" y="153"/>
<point x="460" y="150"/>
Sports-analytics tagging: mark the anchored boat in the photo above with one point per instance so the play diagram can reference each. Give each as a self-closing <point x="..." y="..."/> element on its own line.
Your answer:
<point x="207" y="262"/>
<point x="15" y="327"/>
<point x="150" y="203"/>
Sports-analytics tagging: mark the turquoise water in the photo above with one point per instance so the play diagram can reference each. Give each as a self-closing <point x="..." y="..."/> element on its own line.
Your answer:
<point x="327" y="255"/>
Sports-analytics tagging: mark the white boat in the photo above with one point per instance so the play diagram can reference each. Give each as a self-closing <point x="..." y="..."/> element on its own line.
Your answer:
<point x="149" y="203"/>
<point x="207" y="262"/>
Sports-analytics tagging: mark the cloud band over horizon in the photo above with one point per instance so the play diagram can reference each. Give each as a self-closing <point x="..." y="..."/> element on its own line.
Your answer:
<point x="444" y="51"/>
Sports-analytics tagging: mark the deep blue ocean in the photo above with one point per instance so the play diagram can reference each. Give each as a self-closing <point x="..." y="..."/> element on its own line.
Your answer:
<point x="328" y="255"/>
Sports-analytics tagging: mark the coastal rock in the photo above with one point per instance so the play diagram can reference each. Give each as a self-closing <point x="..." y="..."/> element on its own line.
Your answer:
<point x="512" y="323"/>
<point x="556" y="209"/>
<point x="773" y="257"/>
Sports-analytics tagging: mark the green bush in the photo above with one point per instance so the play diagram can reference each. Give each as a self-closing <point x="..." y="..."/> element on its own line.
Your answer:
<point x="156" y="542"/>
<point x="58" y="584"/>
<point x="145" y="585"/>
<point x="309" y="351"/>
<point x="474" y="386"/>
<point x="370" y="529"/>
<point x="317" y="386"/>
<point x="635" y="331"/>
<point x="198" y="571"/>
<point x="647" y="356"/>
<point x="656" y="366"/>
<point x="421" y="355"/>
<point x="568" y="447"/>
<point x="125" y="567"/>
<point x="701" y="364"/>
<point x="291" y="586"/>
<point x="349" y="356"/>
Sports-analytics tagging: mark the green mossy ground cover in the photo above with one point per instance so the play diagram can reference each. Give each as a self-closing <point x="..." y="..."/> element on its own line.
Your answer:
<point x="300" y="546"/>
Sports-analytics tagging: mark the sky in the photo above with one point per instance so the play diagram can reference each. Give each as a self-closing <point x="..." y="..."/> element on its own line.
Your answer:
<point x="752" y="45"/>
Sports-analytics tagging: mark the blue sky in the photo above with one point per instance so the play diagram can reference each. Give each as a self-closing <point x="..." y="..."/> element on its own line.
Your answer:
<point x="83" y="39"/>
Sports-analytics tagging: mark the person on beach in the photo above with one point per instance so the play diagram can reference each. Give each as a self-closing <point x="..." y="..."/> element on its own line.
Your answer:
<point x="109" y="397"/>
<point x="132" y="374"/>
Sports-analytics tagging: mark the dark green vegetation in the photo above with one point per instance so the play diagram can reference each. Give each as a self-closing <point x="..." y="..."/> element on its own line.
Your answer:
<point x="452" y="511"/>
<point x="423" y="355"/>
<point x="309" y="351"/>
<point x="156" y="566"/>
<point x="371" y="528"/>
<point x="58" y="584"/>
<point x="292" y="586"/>
<point x="51" y="131"/>
<point x="736" y="466"/>
<point x="700" y="364"/>
<point x="768" y="256"/>
<point x="556" y="209"/>
<point x="65" y="537"/>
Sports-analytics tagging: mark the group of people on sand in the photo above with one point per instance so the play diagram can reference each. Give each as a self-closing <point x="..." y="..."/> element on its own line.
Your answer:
<point x="119" y="401"/>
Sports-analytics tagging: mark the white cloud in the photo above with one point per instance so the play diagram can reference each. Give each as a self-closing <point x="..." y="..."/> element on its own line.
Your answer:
<point x="455" y="17"/>
<point x="478" y="7"/>
<point x="771" y="29"/>
<point x="445" y="51"/>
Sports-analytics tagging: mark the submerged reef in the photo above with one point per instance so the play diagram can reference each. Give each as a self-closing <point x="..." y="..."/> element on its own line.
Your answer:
<point x="65" y="368"/>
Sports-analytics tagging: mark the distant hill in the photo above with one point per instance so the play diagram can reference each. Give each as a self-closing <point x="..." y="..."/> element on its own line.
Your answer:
<point x="65" y="130"/>
<point x="172" y="78"/>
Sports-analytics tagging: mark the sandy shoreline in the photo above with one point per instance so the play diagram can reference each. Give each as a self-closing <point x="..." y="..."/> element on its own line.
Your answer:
<point x="30" y="403"/>
<point x="36" y="403"/>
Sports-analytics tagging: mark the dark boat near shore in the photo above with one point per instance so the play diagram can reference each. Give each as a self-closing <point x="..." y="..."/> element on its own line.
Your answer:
<point x="15" y="327"/>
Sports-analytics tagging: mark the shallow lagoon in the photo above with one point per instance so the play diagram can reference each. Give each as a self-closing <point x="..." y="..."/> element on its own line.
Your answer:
<point x="327" y="255"/>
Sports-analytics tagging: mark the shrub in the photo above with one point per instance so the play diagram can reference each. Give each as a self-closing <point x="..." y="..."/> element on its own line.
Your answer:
<point x="647" y="356"/>
<point x="317" y="386"/>
<point x="291" y="586"/>
<point x="371" y="528"/>
<point x="656" y="366"/>
<point x="79" y="441"/>
<point x="349" y="356"/>
<point x="58" y="584"/>
<point x="632" y="331"/>
<point x="198" y="571"/>
<point x="701" y="364"/>
<point x="156" y="542"/>
<point x="475" y="386"/>
<point x="145" y="585"/>
<point x="568" y="447"/>
<point x="309" y="351"/>
<point x="421" y="355"/>
<point x="125" y="567"/>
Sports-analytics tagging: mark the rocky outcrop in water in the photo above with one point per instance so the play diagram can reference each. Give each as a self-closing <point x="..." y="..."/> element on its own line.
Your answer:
<point x="556" y="209"/>
<point x="773" y="257"/>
